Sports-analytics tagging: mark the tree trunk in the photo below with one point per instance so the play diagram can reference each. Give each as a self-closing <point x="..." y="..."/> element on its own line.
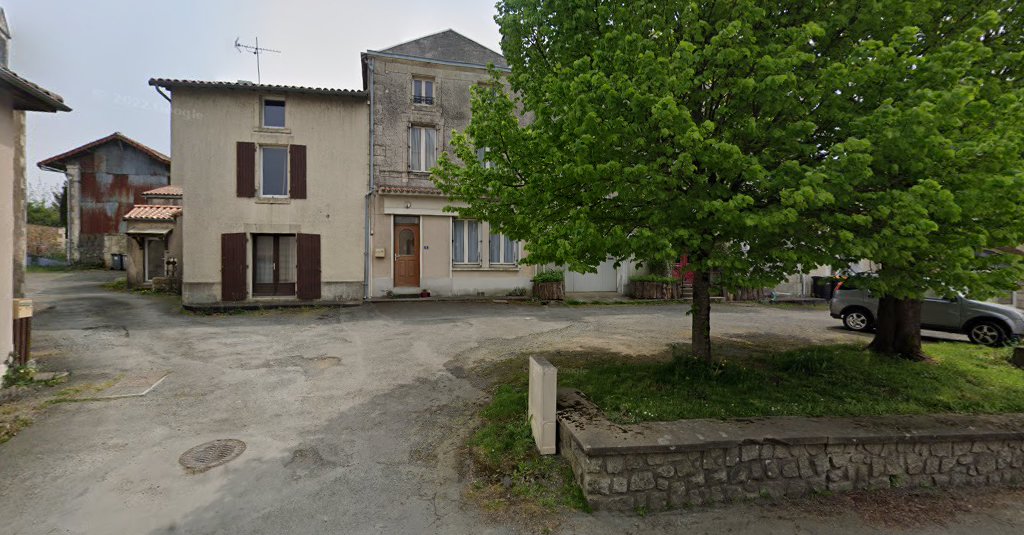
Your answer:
<point x="898" y="328"/>
<point x="701" y="333"/>
<point x="907" y="341"/>
<point x="885" y="327"/>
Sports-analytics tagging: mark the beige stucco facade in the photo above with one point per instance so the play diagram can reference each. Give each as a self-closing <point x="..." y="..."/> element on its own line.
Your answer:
<point x="207" y="123"/>
<point x="7" y="140"/>
<point x="438" y="274"/>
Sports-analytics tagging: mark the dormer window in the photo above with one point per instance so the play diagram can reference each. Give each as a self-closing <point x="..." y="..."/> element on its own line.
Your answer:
<point x="422" y="91"/>
<point x="273" y="113"/>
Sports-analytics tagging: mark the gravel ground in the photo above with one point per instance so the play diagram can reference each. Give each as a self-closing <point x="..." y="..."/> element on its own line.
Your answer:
<point x="353" y="418"/>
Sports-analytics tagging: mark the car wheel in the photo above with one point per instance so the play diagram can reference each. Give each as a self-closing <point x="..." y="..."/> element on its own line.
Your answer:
<point x="857" y="320"/>
<point x="988" y="333"/>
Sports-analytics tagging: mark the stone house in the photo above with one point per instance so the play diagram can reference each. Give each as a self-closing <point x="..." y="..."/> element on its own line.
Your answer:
<point x="155" y="246"/>
<point x="419" y="93"/>
<point x="275" y="182"/>
<point x="105" y="178"/>
<point x="17" y="96"/>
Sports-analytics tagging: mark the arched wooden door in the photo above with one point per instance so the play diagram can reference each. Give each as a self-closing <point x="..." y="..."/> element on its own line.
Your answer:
<point x="407" y="254"/>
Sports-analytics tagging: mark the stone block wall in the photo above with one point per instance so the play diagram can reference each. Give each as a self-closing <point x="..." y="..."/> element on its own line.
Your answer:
<point x="665" y="465"/>
<point x="659" y="481"/>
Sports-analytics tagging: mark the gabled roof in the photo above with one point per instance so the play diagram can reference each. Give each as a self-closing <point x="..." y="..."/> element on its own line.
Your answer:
<point x="164" y="191"/>
<point x="173" y="83"/>
<point x="447" y="46"/>
<point x="29" y="96"/>
<point x="152" y="212"/>
<point x="59" y="161"/>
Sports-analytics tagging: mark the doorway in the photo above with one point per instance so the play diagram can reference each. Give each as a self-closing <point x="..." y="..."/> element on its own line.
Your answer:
<point x="407" y="251"/>
<point x="153" y="263"/>
<point x="274" y="264"/>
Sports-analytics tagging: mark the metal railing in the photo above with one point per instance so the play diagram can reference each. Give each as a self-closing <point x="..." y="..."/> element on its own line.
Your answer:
<point x="420" y="99"/>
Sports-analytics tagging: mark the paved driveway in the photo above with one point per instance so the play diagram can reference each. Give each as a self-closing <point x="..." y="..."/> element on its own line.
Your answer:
<point x="352" y="417"/>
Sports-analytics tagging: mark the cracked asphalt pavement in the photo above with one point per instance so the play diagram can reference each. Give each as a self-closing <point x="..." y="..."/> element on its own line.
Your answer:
<point x="353" y="418"/>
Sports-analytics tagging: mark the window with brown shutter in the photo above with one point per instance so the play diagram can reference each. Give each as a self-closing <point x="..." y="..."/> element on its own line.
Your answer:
<point x="233" y="267"/>
<point x="297" y="162"/>
<point x="245" y="176"/>
<point x="308" y="246"/>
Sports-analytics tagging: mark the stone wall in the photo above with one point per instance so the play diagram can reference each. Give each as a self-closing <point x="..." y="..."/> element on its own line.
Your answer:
<point x="660" y="466"/>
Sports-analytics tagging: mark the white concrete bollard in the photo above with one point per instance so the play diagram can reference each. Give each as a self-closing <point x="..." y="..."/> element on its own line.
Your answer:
<point x="543" y="395"/>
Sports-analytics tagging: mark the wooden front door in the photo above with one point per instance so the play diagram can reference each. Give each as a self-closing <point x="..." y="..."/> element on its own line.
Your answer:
<point x="407" y="255"/>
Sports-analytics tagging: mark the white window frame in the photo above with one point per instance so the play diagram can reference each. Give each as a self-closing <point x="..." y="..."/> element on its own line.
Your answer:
<point x="421" y="149"/>
<point x="423" y="80"/>
<point x="502" y="261"/>
<point x="263" y="114"/>
<point x="466" y="242"/>
<point x="481" y="156"/>
<point x="287" y="171"/>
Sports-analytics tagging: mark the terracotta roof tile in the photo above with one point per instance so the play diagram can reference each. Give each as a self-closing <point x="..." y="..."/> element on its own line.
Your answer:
<point x="409" y="190"/>
<point x="166" y="191"/>
<point x="149" y="212"/>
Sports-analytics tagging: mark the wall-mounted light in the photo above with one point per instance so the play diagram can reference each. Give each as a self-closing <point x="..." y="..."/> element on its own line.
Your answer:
<point x="408" y="205"/>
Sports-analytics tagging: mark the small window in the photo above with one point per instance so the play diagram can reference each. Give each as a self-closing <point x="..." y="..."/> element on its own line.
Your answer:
<point x="422" y="91"/>
<point x="482" y="157"/>
<point x="502" y="250"/>
<point x="273" y="113"/>
<point x="273" y="172"/>
<point x="465" y="241"/>
<point x="422" y="148"/>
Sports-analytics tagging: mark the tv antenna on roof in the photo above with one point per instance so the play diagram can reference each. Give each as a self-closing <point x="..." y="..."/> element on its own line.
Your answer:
<point x="256" y="50"/>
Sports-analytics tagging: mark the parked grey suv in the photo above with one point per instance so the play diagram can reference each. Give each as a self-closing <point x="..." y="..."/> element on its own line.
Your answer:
<point x="984" y="323"/>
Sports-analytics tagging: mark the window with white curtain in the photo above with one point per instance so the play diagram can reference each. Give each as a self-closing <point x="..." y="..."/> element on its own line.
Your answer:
<point x="481" y="156"/>
<point x="465" y="241"/>
<point x="502" y="250"/>
<point x="422" y="148"/>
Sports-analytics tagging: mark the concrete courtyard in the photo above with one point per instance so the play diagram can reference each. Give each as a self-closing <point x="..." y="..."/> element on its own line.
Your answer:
<point x="353" y="418"/>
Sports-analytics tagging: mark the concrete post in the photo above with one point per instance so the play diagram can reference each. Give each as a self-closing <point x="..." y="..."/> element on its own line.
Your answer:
<point x="73" y="172"/>
<point x="542" y="398"/>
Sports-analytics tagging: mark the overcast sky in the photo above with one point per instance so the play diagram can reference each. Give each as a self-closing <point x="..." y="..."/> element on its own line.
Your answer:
<point x="99" y="54"/>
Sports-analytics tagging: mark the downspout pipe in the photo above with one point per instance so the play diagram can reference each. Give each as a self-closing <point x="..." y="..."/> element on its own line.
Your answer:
<point x="367" y="266"/>
<point x="162" y="94"/>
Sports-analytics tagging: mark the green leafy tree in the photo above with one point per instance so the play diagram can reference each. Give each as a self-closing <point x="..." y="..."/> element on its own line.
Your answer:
<point x="648" y="130"/>
<point x="923" y="120"/>
<point x="42" y="212"/>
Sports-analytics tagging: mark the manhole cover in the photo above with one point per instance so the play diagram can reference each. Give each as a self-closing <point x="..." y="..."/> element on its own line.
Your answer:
<point x="214" y="453"/>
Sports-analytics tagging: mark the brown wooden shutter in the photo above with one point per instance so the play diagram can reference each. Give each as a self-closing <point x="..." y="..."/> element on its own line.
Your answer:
<point x="297" y="171"/>
<point x="233" y="268"/>
<point x="245" y="176"/>
<point x="308" y="251"/>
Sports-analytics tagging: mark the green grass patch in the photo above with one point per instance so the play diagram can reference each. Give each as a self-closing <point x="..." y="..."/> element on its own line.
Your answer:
<point x="119" y="284"/>
<point x="515" y="475"/>
<point x="835" y="380"/>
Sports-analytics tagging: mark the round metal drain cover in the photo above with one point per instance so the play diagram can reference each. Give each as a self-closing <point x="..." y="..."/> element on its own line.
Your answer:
<point x="214" y="453"/>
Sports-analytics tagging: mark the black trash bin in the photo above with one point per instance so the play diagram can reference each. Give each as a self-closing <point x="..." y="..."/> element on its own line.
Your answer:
<point x="822" y="287"/>
<point x="117" y="262"/>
